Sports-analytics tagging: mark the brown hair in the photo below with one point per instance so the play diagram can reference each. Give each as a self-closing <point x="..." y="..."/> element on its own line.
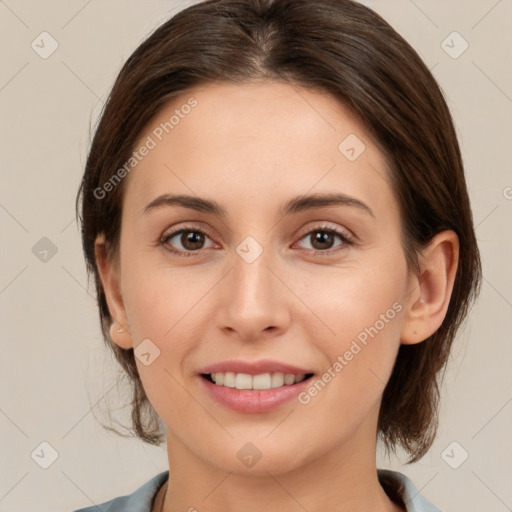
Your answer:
<point x="346" y="49"/>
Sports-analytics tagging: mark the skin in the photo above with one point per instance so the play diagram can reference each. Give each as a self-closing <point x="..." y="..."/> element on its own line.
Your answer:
<point x="251" y="148"/>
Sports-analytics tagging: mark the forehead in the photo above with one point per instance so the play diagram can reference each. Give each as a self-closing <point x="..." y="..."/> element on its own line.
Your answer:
<point x="253" y="140"/>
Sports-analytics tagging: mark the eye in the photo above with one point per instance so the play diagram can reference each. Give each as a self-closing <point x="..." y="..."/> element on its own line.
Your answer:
<point x="322" y="239"/>
<point x="190" y="238"/>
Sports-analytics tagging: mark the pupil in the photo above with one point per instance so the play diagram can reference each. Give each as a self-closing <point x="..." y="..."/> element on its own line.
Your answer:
<point x="322" y="237"/>
<point x="192" y="240"/>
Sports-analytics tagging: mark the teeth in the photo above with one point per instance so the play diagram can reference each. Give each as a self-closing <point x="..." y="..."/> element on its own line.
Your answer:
<point x="229" y="379"/>
<point x="243" y="381"/>
<point x="277" y="380"/>
<point x="261" y="382"/>
<point x="289" y="379"/>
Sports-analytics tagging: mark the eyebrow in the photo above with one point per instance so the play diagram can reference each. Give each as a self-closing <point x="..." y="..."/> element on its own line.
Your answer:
<point x="297" y="204"/>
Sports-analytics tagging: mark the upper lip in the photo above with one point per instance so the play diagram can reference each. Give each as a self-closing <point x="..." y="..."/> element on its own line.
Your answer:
<point x="254" y="367"/>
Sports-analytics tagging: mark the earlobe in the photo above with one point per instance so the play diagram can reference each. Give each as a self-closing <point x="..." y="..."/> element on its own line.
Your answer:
<point x="110" y="279"/>
<point x="430" y="292"/>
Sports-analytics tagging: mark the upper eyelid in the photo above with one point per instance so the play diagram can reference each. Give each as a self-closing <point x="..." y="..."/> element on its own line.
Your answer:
<point x="187" y="227"/>
<point x="323" y="226"/>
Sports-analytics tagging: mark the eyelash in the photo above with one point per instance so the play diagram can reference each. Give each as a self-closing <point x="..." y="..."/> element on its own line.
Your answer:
<point x="344" y="237"/>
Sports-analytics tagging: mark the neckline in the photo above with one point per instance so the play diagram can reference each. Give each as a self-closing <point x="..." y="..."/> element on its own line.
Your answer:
<point x="392" y="486"/>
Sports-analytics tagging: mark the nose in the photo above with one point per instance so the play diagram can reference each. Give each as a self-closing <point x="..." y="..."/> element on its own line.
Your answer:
<point x="254" y="304"/>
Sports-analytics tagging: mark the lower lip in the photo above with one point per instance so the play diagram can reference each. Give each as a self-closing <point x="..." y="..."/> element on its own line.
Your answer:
<point x="254" y="401"/>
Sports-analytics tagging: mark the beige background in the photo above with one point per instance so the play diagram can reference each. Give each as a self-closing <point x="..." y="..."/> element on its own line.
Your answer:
<point x="54" y="366"/>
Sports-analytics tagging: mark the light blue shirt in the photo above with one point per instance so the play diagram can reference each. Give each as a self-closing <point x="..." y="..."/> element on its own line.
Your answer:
<point x="141" y="500"/>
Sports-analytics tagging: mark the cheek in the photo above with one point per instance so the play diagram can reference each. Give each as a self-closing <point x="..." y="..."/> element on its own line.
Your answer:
<point x="170" y="307"/>
<point x="362" y="309"/>
<point x="157" y="298"/>
<point x="351" y="299"/>
<point x="161" y="310"/>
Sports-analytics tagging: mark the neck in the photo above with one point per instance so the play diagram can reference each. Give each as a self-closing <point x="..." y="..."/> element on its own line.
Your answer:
<point x="342" y="479"/>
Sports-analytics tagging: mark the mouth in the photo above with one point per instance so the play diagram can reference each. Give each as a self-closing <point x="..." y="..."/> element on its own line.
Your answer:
<point x="253" y="386"/>
<point x="259" y="382"/>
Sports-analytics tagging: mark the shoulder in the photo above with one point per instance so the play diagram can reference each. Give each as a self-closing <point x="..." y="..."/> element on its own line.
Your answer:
<point x="398" y="485"/>
<point x="140" y="500"/>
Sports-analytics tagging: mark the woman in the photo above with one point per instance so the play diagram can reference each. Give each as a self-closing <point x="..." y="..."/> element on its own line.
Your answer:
<point x="275" y="213"/>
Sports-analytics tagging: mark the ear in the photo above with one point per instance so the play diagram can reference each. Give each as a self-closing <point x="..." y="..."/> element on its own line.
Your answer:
<point x="430" y="291"/>
<point x="110" y="279"/>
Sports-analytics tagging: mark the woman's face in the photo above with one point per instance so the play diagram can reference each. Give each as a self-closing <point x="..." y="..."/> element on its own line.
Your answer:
<point x="261" y="284"/>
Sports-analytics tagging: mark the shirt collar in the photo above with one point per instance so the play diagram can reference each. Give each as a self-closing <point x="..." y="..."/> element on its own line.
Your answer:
<point x="397" y="484"/>
<point x="397" y="487"/>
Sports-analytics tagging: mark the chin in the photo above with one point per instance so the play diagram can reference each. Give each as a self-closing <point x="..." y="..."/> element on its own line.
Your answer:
<point x="259" y="457"/>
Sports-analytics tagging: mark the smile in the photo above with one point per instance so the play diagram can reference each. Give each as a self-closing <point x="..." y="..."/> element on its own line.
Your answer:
<point x="261" y="381"/>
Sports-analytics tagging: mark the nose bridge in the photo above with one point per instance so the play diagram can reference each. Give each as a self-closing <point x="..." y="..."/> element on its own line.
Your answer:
<point x="252" y="298"/>
<point x="252" y="281"/>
